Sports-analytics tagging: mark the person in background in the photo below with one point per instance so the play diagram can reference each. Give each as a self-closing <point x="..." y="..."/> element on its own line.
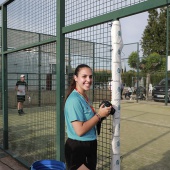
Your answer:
<point x="110" y="85"/>
<point x="21" y="88"/>
<point x="150" y="88"/>
<point x="81" y="120"/>
<point x="128" y="92"/>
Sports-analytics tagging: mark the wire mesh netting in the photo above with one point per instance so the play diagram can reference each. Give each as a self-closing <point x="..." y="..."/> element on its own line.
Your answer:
<point x="32" y="136"/>
<point x="92" y="47"/>
<point x="33" y="18"/>
<point x="77" y="11"/>
<point x="1" y="120"/>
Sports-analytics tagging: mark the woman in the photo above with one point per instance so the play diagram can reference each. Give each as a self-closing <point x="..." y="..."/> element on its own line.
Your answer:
<point x="81" y="145"/>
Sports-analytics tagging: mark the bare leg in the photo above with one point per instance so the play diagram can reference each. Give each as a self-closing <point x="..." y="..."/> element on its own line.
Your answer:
<point x="22" y="105"/>
<point x="19" y="105"/>
<point x="19" y="108"/>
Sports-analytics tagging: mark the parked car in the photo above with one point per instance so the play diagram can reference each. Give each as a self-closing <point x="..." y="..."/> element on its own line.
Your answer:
<point x="158" y="92"/>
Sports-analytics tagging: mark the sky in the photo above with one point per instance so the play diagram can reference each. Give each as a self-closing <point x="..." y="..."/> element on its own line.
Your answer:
<point x="133" y="27"/>
<point x="132" y="30"/>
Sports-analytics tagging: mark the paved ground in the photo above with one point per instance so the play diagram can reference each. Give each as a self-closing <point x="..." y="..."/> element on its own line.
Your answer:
<point x="8" y="163"/>
<point x="145" y="134"/>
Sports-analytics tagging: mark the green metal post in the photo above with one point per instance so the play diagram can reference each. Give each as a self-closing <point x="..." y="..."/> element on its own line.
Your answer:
<point x="39" y="73"/>
<point x="137" y="71"/>
<point x="137" y="43"/>
<point x="137" y="8"/>
<point x="60" y="80"/>
<point x="4" y="77"/>
<point x="93" y="69"/>
<point x="69" y="57"/>
<point x="167" y="49"/>
<point x="27" y="78"/>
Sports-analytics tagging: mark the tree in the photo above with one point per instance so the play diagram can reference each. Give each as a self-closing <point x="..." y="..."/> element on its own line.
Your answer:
<point x="162" y="31"/>
<point x="132" y="60"/>
<point x="154" y="36"/>
<point x="151" y="63"/>
<point x="154" y="44"/>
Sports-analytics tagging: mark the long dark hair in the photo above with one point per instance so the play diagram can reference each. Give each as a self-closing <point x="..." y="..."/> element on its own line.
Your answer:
<point x="73" y="82"/>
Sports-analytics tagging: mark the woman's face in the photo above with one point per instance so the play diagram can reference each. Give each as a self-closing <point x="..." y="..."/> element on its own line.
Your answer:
<point x="84" y="79"/>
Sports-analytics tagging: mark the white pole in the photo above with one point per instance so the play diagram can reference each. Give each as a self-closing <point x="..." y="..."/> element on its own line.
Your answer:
<point x="117" y="45"/>
<point x="168" y="63"/>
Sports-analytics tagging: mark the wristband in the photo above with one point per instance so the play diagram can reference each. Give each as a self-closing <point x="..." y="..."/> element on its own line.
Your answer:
<point x="99" y="117"/>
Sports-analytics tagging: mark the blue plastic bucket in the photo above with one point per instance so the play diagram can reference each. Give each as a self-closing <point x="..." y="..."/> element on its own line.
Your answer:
<point x="47" y="165"/>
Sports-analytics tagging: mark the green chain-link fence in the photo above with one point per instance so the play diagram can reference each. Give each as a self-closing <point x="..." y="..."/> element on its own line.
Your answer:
<point x="34" y="46"/>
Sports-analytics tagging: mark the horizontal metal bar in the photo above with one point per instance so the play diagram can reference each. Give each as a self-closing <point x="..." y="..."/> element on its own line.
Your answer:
<point x="124" y="12"/>
<point x="131" y="43"/>
<point x="30" y="46"/>
<point x="6" y="3"/>
<point x="24" y="163"/>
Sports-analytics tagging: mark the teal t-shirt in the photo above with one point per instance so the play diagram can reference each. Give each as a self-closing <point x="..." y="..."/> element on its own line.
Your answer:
<point x="77" y="109"/>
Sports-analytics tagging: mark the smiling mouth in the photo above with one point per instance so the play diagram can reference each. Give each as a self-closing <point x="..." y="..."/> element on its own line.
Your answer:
<point x="87" y="84"/>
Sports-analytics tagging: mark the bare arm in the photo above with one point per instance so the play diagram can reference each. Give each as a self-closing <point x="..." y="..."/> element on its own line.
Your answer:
<point x="83" y="127"/>
<point x="16" y="88"/>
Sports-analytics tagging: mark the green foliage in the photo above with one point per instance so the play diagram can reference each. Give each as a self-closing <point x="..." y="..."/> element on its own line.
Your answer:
<point x="132" y="60"/>
<point x="163" y="64"/>
<point x="151" y="63"/>
<point x="154" y="36"/>
<point x="154" y="77"/>
<point x="102" y="76"/>
<point x="128" y="76"/>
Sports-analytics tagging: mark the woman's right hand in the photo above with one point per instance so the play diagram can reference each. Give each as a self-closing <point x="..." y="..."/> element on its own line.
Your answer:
<point x="104" y="111"/>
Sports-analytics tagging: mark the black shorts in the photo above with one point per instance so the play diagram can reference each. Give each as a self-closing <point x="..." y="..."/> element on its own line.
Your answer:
<point x="80" y="152"/>
<point x="20" y="98"/>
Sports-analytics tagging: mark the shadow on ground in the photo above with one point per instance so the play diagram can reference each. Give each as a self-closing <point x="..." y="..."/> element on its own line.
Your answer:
<point x="163" y="164"/>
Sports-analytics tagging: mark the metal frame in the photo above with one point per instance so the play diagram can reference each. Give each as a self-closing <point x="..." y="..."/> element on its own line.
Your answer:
<point x="60" y="90"/>
<point x="39" y="72"/>
<point x="167" y="53"/>
<point x="30" y="46"/>
<point x="7" y="2"/>
<point x="137" y="50"/>
<point x="124" y="12"/>
<point x="4" y="78"/>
